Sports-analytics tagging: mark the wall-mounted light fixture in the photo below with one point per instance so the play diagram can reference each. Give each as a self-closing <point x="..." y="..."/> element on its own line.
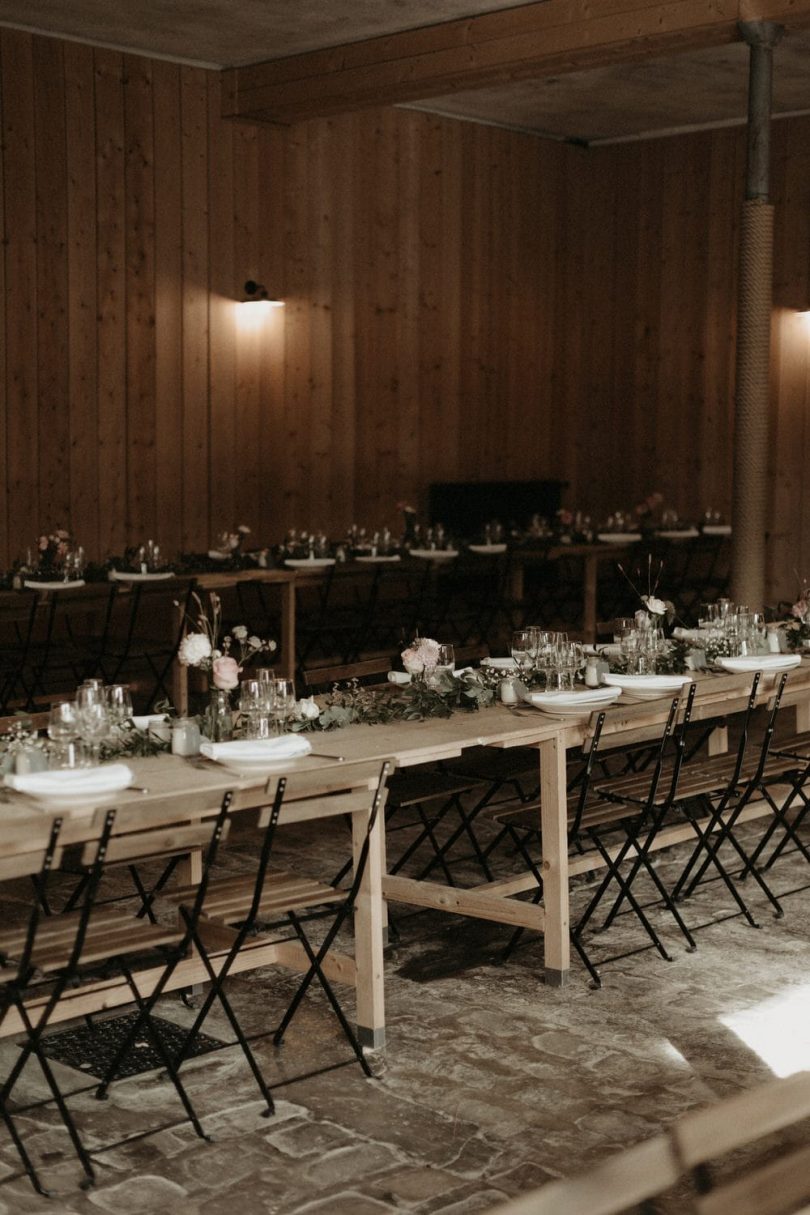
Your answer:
<point x="258" y="293"/>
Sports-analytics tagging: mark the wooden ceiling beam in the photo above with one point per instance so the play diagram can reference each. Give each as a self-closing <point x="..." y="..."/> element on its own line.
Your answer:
<point x="532" y="40"/>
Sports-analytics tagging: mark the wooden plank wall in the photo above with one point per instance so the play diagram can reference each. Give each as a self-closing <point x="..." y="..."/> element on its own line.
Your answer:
<point x="462" y="303"/>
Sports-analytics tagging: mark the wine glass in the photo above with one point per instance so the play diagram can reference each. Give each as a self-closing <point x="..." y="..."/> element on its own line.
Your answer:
<point x="446" y="662"/>
<point x="119" y="704"/>
<point x="94" y="725"/>
<point x="283" y="703"/>
<point x="522" y="651"/>
<point x="63" y="731"/>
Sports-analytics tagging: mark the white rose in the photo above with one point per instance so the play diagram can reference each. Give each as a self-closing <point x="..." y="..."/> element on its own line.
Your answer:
<point x="194" y="649"/>
<point x="307" y="710"/>
<point x="657" y="606"/>
<point x="255" y="642"/>
<point x="240" y="632"/>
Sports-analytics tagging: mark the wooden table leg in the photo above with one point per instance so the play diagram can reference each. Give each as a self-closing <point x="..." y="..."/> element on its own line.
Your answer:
<point x="803" y="716"/>
<point x="554" y="820"/>
<point x="288" y="629"/>
<point x="179" y="679"/>
<point x="369" y="926"/>
<point x="590" y="571"/>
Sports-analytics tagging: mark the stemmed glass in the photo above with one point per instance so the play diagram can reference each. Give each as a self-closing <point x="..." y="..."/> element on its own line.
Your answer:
<point x="255" y="708"/>
<point x="63" y="731"/>
<point x="522" y="651"/>
<point x="119" y="704"/>
<point x="94" y="721"/>
<point x="446" y="662"/>
<point x="283" y="703"/>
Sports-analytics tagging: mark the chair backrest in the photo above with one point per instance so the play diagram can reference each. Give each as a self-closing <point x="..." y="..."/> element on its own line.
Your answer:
<point x="582" y="778"/>
<point x="346" y="788"/>
<point x="369" y="670"/>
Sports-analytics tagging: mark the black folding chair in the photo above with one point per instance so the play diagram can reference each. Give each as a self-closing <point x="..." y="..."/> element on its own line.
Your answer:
<point x="714" y="798"/>
<point x="58" y="952"/>
<point x="635" y="808"/>
<point x="247" y="904"/>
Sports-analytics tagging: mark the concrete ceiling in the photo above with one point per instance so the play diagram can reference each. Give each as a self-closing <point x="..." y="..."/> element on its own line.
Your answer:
<point x="698" y="88"/>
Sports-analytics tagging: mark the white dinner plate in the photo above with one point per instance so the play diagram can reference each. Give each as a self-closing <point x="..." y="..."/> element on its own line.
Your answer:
<point x="434" y="554"/>
<point x="216" y="554"/>
<point x="618" y="537"/>
<point x="69" y="788"/>
<point x="717" y="529"/>
<point x="573" y="704"/>
<point x="679" y="533"/>
<point x="487" y="548"/>
<point x="309" y="563"/>
<point x="379" y="560"/>
<point x="646" y="687"/>
<point x="257" y="755"/>
<point x="760" y="662"/>
<point x="133" y="576"/>
<point x="34" y="584"/>
<point x="500" y="664"/>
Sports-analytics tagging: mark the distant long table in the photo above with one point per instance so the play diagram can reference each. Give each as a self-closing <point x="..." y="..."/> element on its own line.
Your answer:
<point x="591" y="556"/>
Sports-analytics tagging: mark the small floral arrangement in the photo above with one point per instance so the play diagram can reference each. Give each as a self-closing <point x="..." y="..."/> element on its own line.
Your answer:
<point x="232" y="541"/>
<point x="421" y="656"/>
<point x="646" y="510"/>
<point x="656" y="611"/>
<point x="56" y="556"/>
<point x="224" y="659"/>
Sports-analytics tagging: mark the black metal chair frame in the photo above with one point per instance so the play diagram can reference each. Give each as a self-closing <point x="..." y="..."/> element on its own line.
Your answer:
<point x="639" y="826"/>
<point x="723" y="807"/>
<point x="250" y="924"/>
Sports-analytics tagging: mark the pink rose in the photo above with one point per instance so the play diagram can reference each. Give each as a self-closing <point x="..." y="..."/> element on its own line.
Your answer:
<point x="225" y="671"/>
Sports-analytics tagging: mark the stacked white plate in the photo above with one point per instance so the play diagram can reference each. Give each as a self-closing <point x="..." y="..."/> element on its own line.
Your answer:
<point x="33" y="584"/>
<point x="618" y="537"/>
<point x="67" y="788"/>
<point x="309" y="563"/>
<point x="383" y="560"/>
<point x="257" y="755"/>
<point x="761" y="662"/>
<point x="717" y="529"/>
<point x="435" y="554"/>
<point x="679" y="533"/>
<point x="131" y="576"/>
<point x="646" y="687"/>
<point x="487" y="548"/>
<point x="573" y="704"/>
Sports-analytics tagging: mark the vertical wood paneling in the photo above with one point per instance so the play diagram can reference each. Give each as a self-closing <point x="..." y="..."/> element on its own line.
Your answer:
<point x="53" y="416"/>
<point x="195" y="184"/>
<point x="140" y="307"/>
<point x="82" y="331"/>
<point x="462" y="302"/>
<point x="228" y="318"/>
<point x="168" y="306"/>
<point x="25" y="517"/>
<point x="112" y="310"/>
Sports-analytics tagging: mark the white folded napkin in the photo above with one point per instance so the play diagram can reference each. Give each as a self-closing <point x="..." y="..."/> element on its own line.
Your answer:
<point x="687" y="634"/>
<point x="72" y="782"/>
<point x="253" y="751"/>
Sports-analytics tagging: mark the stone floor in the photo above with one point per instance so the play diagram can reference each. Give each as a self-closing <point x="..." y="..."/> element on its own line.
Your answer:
<point x="490" y="1085"/>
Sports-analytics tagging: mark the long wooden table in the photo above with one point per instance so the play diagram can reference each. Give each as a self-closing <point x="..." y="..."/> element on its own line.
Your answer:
<point x="180" y="789"/>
